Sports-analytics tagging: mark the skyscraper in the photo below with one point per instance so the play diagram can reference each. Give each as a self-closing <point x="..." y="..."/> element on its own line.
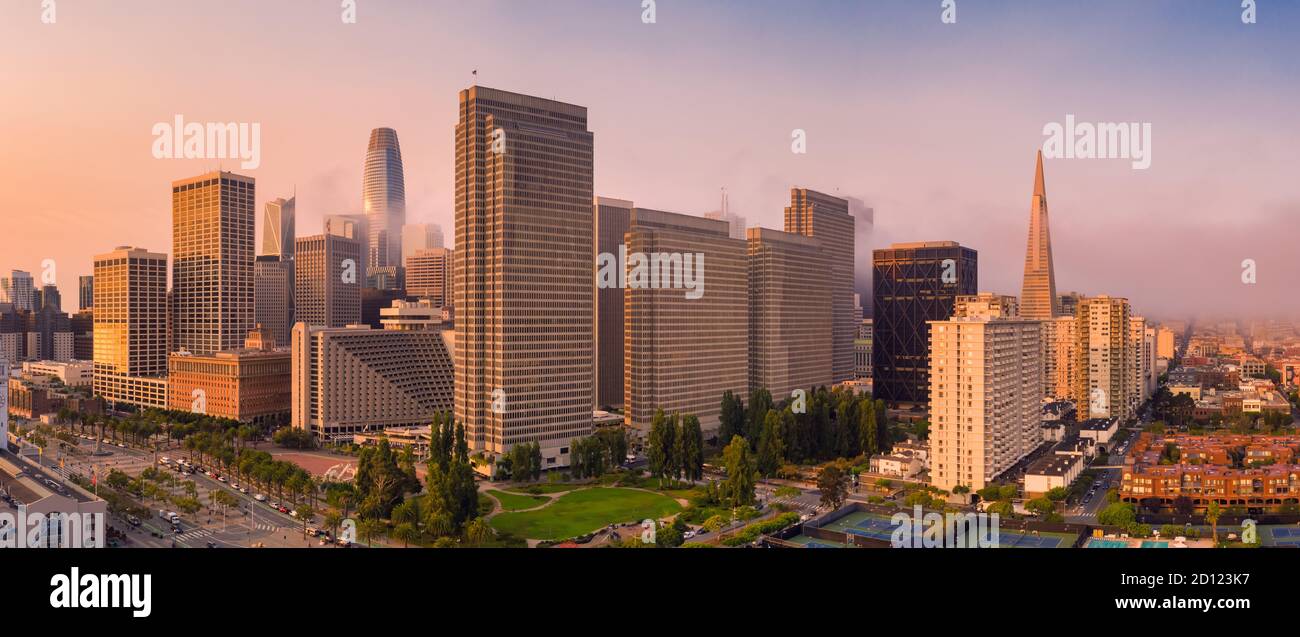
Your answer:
<point x="21" y="291"/>
<point x="212" y="262"/>
<point x="612" y="218"/>
<point x="986" y="388"/>
<point x="789" y="312"/>
<point x="350" y="227"/>
<point x="430" y="275"/>
<point x="278" y="228"/>
<point x="420" y="236"/>
<point x="383" y="196"/>
<point x="914" y="283"/>
<point x="682" y="349"/>
<point x="735" y="221"/>
<point x="1038" y="294"/>
<point x="815" y="214"/>
<point x="273" y="296"/>
<point x="86" y="292"/>
<point x="523" y="272"/>
<point x="327" y="288"/>
<point x="130" y="343"/>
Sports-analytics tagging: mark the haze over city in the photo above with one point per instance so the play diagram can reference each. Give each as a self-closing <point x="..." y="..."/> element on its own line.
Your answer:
<point x="934" y="126"/>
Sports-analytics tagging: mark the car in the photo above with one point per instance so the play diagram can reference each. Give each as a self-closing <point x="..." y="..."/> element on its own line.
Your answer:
<point x="260" y="498"/>
<point x="234" y="485"/>
<point x="343" y="542"/>
<point x="293" y="513"/>
<point x="212" y="545"/>
<point x="221" y="478"/>
<point x="243" y="491"/>
<point x="688" y="535"/>
<point x="284" y="509"/>
<point x="176" y="529"/>
<point x="207" y="473"/>
<point x="166" y="460"/>
<point x="121" y="445"/>
<point x="312" y="531"/>
<point x="275" y="505"/>
<point x="133" y="520"/>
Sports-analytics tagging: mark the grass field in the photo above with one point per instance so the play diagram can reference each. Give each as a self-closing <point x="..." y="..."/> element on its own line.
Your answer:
<point x="515" y="502"/>
<point x="585" y="511"/>
<point x="546" y="488"/>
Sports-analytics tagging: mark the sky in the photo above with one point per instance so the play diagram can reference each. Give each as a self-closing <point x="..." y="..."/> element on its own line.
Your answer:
<point x="935" y="125"/>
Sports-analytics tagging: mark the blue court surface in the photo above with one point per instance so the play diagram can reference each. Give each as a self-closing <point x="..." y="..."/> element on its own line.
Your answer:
<point x="880" y="527"/>
<point x="1279" y="535"/>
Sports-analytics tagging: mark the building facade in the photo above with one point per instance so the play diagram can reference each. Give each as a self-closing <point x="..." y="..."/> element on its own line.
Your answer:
<point x="327" y="274"/>
<point x="790" y="314"/>
<point x="274" y="287"/>
<point x="130" y="325"/>
<point x="250" y="384"/>
<point x="612" y="218"/>
<point x="827" y="218"/>
<point x="1104" y="376"/>
<point x="383" y="195"/>
<point x="430" y="274"/>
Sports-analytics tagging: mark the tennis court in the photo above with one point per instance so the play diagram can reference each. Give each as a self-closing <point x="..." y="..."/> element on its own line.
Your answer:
<point x="881" y="527"/>
<point x="1280" y="536"/>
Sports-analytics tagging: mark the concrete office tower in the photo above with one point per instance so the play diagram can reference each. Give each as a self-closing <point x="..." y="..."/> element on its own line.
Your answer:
<point x="986" y="388"/>
<point x="274" y="286"/>
<point x="357" y="379"/>
<point x="21" y="291"/>
<point x="612" y="217"/>
<point x="348" y="227"/>
<point x="383" y="196"/>
<point x="327" y="281"/>
<point x="420" y="236"/>
<point x="790" y="322"/>
<point x="430" y="275"/>
<point x="278" y="228"/>
<point x="913" y="283"/>
<point x="212" y="262"/>
<point x="1104" y="363"/>
<point x="130" y="356"/>
<point x="1060" y="354"/>
<point x="735" y="222"/>
<point x="1038" y="295"/>
<point x="86" y="292"/>
<point x="523" y="272"/>
<point x="683" y="347"/>
<point x="827" y="218"/>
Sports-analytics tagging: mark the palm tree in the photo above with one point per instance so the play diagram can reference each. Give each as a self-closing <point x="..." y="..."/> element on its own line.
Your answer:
<point x="479" y="532"/>
<point x="1212" y="513"/>
<point x="370" y="529"/>
<point x="406" y="533"/>
<point x="403" y="513"/>
<point x="333" y="520"/>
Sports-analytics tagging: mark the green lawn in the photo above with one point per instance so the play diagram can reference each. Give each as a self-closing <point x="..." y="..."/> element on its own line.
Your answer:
<point x="546" y="487"/>
<point x="514" y="502"/>
<point x="585" y="511"/>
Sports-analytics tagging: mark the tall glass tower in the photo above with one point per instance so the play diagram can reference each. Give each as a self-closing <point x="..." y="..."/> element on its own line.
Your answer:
<point x="383" y="196"/>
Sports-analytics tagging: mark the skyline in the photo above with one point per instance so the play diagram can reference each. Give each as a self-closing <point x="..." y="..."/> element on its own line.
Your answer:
<point x="1214" y="195"/>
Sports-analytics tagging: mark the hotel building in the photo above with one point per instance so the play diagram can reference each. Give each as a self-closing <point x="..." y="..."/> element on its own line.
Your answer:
<point x="250" y="384"/>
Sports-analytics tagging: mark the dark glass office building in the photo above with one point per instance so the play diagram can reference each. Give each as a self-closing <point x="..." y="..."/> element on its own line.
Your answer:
<point x="913" y="283"/>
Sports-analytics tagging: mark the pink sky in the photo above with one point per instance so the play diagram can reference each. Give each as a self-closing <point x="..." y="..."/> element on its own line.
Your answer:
<point x="934" y="125"/>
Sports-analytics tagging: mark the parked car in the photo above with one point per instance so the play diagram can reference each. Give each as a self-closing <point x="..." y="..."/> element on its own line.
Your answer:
<point x="260" y="498"/>
<point x="133" y="520"/>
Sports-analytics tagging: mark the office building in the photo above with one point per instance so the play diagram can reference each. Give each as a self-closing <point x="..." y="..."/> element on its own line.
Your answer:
<point x="684" y="346"/>
<point x="249" y="384"/>
<point x="523" y="272"/>
<point x="327" y="291"/>
<point x="790" y="315"/>
<point x="85" y="292"/>
<point x="212" y="262"/>
<point x="1038" y="295"/>
<point x="278" y="228"/>
<point x="21" y="291"/>
<point x="914" y="283"/>
<point x="827" y="218"/>
<point x="612" y="217"/>
<point x="430" y="274"/>
<point x="130" y="326"/>
<point x="383" y="197"/>
<point x="349" y="227"/>
<point x="862" y="346"/>
<point x="420" y="236"/>
<point x="274" y="287"/>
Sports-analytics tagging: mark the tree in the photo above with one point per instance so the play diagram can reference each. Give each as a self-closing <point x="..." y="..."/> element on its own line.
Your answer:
<point x="1042" y="506"/>
<point x="406" y="533"/>
<point x="738" y="487"/>
<point x="479" y="532"/>
<point x="692" y="449"/>
<point x="305" y="513"/>
<point x="1119" y="514"/>
<point x="771" y="448"/>
<point x="1056" y="494"/>
<point x="656" y="442"/>
<point x="1212" y="513"/>
<point x="833" y="482"/>
<point x="732" y="419"/>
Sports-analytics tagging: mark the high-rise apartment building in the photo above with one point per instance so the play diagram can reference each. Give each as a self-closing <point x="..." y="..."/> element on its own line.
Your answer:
<point x="278" y="228"/>
<point x="815" y="214"/>
<point x="383" y="196"/>
<point x="986" y="388"/>
<point x="912" y="284"/>
<point x="430" y="274"/>
<point x="684" y="346"/>
<point x="523" y="272"/>
<point x="612" y="218"/>
<point x="1069" y="303"/>
<point x="212" y="262"/>
<point x="356" y="379"/>
<point x="1038" y="294"/>
<point x="1104" y="359"/>
<point x="130" y="318"/>
<point x="790" y="315"/>
<point x="1060" y="355"/>
<point x="85" y="292"/>
<point x="1165" y="347"/>
<point x="274" y="287"/>
<point x="327" y="276"/>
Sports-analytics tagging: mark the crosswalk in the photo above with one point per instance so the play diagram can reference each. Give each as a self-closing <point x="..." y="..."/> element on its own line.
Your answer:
<point x="194" y="534"/>
<point x="794" y="503"/>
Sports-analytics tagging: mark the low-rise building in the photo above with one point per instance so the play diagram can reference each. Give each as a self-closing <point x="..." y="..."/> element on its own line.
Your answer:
<point x="248" y="385"/>
<point x="1050" y="472"/>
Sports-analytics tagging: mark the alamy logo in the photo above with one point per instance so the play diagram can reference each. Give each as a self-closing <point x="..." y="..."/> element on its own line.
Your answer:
<point x="214" y="140"/>
<point x="75" y="590"/>
<point x="46" y="531"/>
<point x="1103" y="140"/>
<point x="944" y="530"/>
<point x="655" y="271"/>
